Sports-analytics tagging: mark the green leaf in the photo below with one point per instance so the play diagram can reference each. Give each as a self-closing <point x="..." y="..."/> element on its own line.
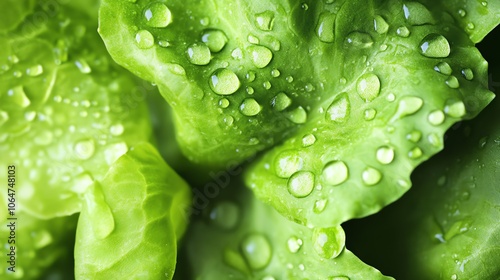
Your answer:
<point x="359" y="92"/>
<point x="131" y="220"/>
<point x="250" y="240"/>
<point x="67" y="111"/>
<point x="14" y="13"/>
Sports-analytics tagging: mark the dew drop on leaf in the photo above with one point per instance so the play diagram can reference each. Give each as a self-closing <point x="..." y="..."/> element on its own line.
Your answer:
<point x="294" y="244"/>
<point x="198" y="54"/>
<point x="381" y="26"/>
<point x="467" y="74"/>
<point x="265" y="20"/>
<point x="435" y="46"/>
<point x="385" y="155"/>
<point x="371" y="176"/>
<point x="436" y="117"/>
<point x="455" y="108"/>
<point x="301" y="184"/>
<point x="358" y="39"/>
<point x="224" y="81"/>
<point x="261" y="56"/>
<point x="319" y="205"/>
<point x="287" y="163"/>
<point x="328" y="242"/>
<point x="225" y="215"/>
<point x="403" y="31"/>
<point x="335" y="173"/>
<point x="308" y="140"/>
<point x="250" y="107"/>
<point x="408" y="105"/>
<point x="215" y="39"/>
<point x="452" y="82"/>
<point x="144" y="39"/>
<point x="415" y="153"/>
<point x="339" y="109"/>
<point x="443" y="68"/>
<point x="35" y="70"/>
<point x="158" y="15"/>
<point x="325" y="28"/>
<point x="297" y="115"/>
<point x="368" y="87"/>
<point x="256" y="250"/>
<point x="17" y="97"/>
<point x="84" y="149"/>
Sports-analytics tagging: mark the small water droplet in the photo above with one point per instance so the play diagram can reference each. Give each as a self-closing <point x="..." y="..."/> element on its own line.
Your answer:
<point x="267" y="85"/>
<point x="369" y="114"/>
<point x="215" y="39"/>
<point x="385" y="154"/>
<point x="381" y="26"/>
<point x="301" y="184"/>
<point x="250" y="90"/>
<point x="35" y="70"/>
<point x="83" y="66"/>
<point x="443" y="68"/>
<point x="224" y="81"/>
<point x="434" y="140"/>
<point x="224" y="103"/>
<point x="328" y="242"/>
<point x="294" y="244"/>
<point x="403" y="31"/>
<point x="319" y="205"/>
<point x="275" y="73"/>
<point x="455" y="108"/>
<point x="415" y="153"/>
<point x="471" y="26"/>
<point x="144" y="39"/>
<point x="325" y="29"/>
<point x="435" y="46"/>
<point x="116" y="129"/>
<point x="250" y="107"/>
<point x="368" y="87"/>
<point x="408" y="105"/>
<point x="297" y="115"/>
<point x="265" y="20"/>
<point x="225" y="215"/>
<point x="335" y="173"/>
<point x="103" y="222"/>
<point x="308" y="140"/>
<point x="287" y="163"/>
<point x="414" y="136"/>
<point x="158" y="15"/>
<point x="468" y="74"/>
<point x="289" y="79"/>
<point x="261" y="56"/>
<point x="339" y="109"/>
<point x="462" y="12"/>
<point x="281" y="101"/>
<point x="256" y="250"/>
<point x="452" y="82"/>
<point x="371" y="176"/>
<point x="359" y="40"/>
<point x="436" y="117"/>
<point x="198" y="54"/>
<point x="250" y="76"/>
<point x="253" y="40"/>
<point x="84" y="149"/>
<point x="304" y="6"/>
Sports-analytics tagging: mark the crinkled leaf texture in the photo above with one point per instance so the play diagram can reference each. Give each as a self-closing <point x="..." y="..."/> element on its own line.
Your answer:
<point x="131" y="220"/>
<point x="239" y="237"/>
<point x="67" y="111"/>
<point x="359" y="92"/>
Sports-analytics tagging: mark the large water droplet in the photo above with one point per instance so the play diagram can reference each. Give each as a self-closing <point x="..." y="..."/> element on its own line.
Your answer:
<point x="287" y="163"/>
<point x="301" y="184"/>
<point x="225" y="215"/>
<point x="340" y="108"/>
<point x="368" y="87"/>
<point x="415" y="153"/>
<point x="328" y="242"/>
<point x="455" y="108"/>
<point x="359" y="40"/>
<point x="294" y="244"/>
<point x="224" y="82"/>
<point x="308" y="140"/>
<point x="408" y="105"/>
<point x="84" y="149"/>
<point x="281" y="101"/>
<point x="436" y="117"/>
<point x="102" y="221"/>
<point x="35" y="70"/>
<point x="265" y="20"/>
<point x="414" y="136"/>
<point x="215" y="39"/>
<point x="369" y="114"/>
<point x="250" y="107"/>
<point x="403" y="31"/>
<point x="452" y="82"/>
<point x="417" y="14"/>
<point x="435" y="46"/>
<point x="443" y="68"/>
<point x="381" y="26"/>
<point x="116" y="129"/>
<point x="326" y="27"/>
<point x="144" y="39"/>
<point x="158" y="15"/>
<point x="371" y="176"/>
<point x="297" y="115"/>
<point x="335" y="173"/>
<point x="257" y="251"/>
<point x="385" y="155"/>
<point x="198" y="54"/>
<point x="261" y="56"/>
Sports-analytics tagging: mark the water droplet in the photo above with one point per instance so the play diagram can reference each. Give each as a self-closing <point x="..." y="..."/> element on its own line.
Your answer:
<point x="468" y="74"/>
<point x="116" y="130"/>
<point x="250" y="90"/>
<point x="452" y="82"/>
<point x="114" y="151"/>
<point x="289" y="79"/>
<point x="257" y="251"/>
<point x="304" y="6"/>
<point x="13" y="59"/>
<point x="144" y="39"/>
<point x="302" y="267"/>
<point x="359" y="40"/>
<point x="267" y="85"/>
<point x="250" y="76"/>
<point x="261" y="56"/>
<point x="443" y="68"/>
<point x="297" y="115"/>
<point x="287" y="163"/>
<point x="103" y="222"/>
<point x="335" y="173"/>
<point x="225" y="215"/>
<point x="253" y="40"/>
<point x="308" y="140"/>
<point x="417" y="14"/>
<point x="158" y="15"/>
<point x="435" y="46"/>
<point x="275" y="73"/>
<point x="84" y="149"/>
<point x="228" y="120"/>
<point x="462" y="12"/>
<point x="434" y="140"/>
<point x="265" y="20"/>
<point x="301" y="184"/>
<point x="340" y="108"/>
<point x="436" y="117"/>
<point x="414" y="136"/>
<point x="83" y="66"/>
<point x="371" y="176"/>
<point x="250" y="107"/>
<point x="215" y="39"/>
<point x="28" y="116"/>
<point x="408" y="105"/>
<point x="369" y="114"/>
<point x="18" y="97"/>
<point x="415" y="153"/>
<point x="368" y="87"/>
<point x="198" y="54"/>
<point x="403" y="31"/>
<point x="455" y="108"/>
<point x="35" y="70"/>
<point x="328" y="242"/>
<point x="224" y="103"/>
<point x="294" y="244"/>
<point x="325" y="29"/>
<point x="391" y="97"/>
<point x="224" y="82"/>
<point x="309" y="87"/>
<point x="385" y="155"/>
<point x="381" y="26"/>
<point x="319" y="205"/>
